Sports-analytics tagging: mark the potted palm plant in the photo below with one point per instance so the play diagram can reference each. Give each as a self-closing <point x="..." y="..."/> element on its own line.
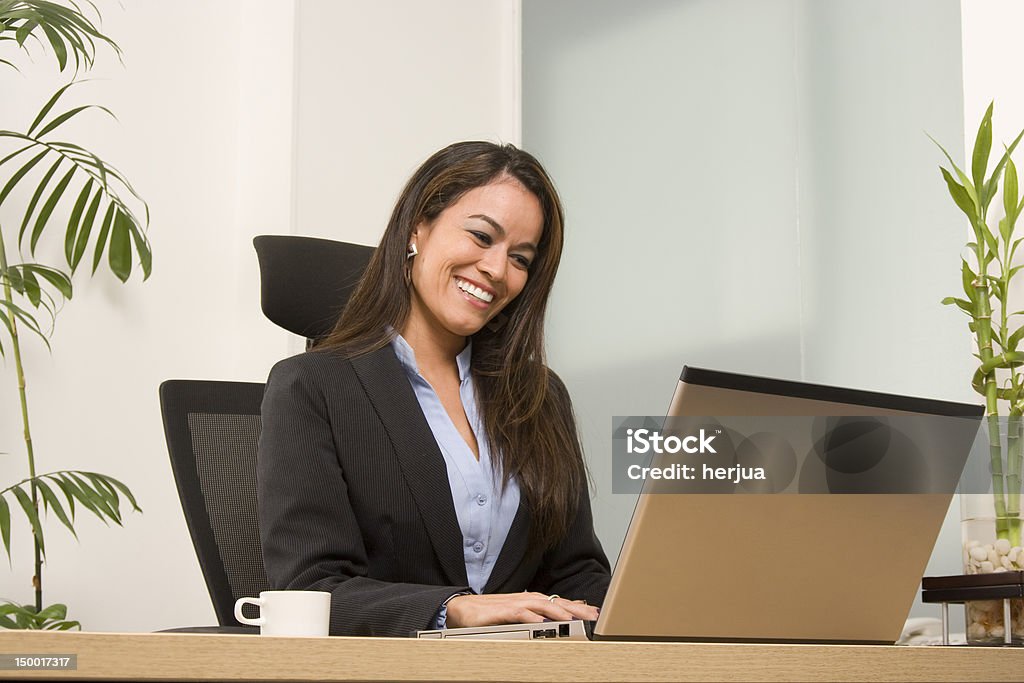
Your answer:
<point x="992" y="522"/>
<point x="49" y="184"/>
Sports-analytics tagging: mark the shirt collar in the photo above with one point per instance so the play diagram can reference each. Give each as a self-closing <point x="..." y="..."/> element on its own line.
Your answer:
<point x="407" y="357"/>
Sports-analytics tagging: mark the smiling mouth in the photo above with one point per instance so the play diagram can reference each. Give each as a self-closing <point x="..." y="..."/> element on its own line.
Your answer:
<point x="474" y="291"/>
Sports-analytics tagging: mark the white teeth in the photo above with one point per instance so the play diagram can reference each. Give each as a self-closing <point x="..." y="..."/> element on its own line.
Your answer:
<point x="475" y="291"/>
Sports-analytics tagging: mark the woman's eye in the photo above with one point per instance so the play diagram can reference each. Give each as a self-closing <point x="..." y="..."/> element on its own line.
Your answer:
<point x="521" y="261"/>
<point x="481" y="237"/>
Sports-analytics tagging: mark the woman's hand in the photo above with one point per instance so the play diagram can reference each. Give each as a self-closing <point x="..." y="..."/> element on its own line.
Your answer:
<point x="514" y="608"/>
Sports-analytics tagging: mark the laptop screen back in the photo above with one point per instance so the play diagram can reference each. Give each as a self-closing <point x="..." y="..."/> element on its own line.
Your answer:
<point x="777" y="567"/>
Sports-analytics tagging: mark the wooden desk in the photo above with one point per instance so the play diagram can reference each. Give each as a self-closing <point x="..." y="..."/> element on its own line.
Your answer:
<point x="159" y="656"/>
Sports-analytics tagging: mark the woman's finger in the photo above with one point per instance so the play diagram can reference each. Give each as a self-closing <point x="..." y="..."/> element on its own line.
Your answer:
<point x="507" y="608"/>
<point x="578" y="609"/>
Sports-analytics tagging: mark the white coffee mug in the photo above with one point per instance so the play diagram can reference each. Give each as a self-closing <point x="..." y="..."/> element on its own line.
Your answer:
<point x="289" y="613"/>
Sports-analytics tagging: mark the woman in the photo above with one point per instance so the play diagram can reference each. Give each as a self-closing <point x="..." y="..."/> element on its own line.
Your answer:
<point x="421" y="463"/>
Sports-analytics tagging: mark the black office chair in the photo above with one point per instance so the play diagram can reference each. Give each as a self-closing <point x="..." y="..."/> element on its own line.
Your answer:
<point x="212" y="428"/>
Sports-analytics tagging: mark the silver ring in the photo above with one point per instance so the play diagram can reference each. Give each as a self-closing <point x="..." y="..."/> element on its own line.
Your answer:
<point x="551" y="598"/>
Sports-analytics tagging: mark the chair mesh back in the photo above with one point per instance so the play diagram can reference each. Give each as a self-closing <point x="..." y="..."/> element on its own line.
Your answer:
<point x="212" y="431"/>
<point x="225" y="453"/>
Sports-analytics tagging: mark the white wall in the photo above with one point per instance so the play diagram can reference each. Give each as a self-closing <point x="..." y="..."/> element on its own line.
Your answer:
<point x="880" y="239"/>
<point x="382" y="85"/>
<point x="992" y="53"/>
<point x="231" y="125"/>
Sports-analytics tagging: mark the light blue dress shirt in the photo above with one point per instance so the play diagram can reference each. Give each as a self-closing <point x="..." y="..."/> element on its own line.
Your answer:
<point x="485" y="511"/>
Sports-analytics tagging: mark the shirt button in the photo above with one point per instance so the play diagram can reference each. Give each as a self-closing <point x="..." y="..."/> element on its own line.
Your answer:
<point x="481" y="499"/>
<point x="478" y="547"/>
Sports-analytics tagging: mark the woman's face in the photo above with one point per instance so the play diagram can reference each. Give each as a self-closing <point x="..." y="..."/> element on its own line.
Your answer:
<point x="474" y="258"/>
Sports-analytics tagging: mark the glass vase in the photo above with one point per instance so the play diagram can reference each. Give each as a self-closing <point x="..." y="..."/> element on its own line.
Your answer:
<point x="986" y="552"/>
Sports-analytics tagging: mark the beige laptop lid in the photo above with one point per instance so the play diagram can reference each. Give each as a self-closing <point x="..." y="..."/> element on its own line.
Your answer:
<point x="775" y="567"/>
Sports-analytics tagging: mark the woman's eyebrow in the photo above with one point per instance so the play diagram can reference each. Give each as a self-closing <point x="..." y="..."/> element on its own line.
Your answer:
<point x="500" y="230"/>
<point x="493" y="223"/>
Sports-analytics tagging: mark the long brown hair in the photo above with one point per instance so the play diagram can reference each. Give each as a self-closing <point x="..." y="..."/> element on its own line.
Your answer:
<point x="526" y="411"/>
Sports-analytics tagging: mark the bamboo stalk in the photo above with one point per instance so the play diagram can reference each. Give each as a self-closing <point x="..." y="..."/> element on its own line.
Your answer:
<point x="37" y="578"/>
<point x="1013" y="458"/>
<point x="1013" y="423"/>
<point x="983" y="322"/>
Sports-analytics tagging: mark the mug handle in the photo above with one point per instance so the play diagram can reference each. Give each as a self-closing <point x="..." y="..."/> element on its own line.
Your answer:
<point x="242" y="619"/>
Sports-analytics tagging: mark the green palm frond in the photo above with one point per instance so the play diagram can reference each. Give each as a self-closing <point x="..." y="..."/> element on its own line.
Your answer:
<point x="11" y="315"/>
<point x="51" y="618"/>
<point x="59" y="491"/>
<point x="66" y="30"/>
<point x="32" y="281"/>
<point x="99" y="198"/>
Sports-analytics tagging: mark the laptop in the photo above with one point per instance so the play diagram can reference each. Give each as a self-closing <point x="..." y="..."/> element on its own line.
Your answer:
<point x="791" y="566"/>
<point x="547" y="630"/>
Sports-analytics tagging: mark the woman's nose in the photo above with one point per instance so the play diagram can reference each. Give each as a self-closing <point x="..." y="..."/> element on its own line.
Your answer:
<point x="493" y="264"/>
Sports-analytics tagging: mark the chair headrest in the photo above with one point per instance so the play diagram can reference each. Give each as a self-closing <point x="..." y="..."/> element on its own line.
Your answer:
<point x="305" y="282"/>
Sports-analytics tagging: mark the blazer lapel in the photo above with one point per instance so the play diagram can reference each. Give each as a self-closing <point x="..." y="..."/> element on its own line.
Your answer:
<point x="421" y="461"/>
<point x="514" y="550"/>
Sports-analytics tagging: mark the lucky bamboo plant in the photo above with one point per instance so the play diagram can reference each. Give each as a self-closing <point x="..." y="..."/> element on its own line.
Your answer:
<point x="46" y="184"/>
<point x="987" y="276"/>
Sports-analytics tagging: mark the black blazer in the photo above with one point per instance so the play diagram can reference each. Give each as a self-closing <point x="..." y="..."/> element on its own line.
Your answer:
<point x="354" y="499"/>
